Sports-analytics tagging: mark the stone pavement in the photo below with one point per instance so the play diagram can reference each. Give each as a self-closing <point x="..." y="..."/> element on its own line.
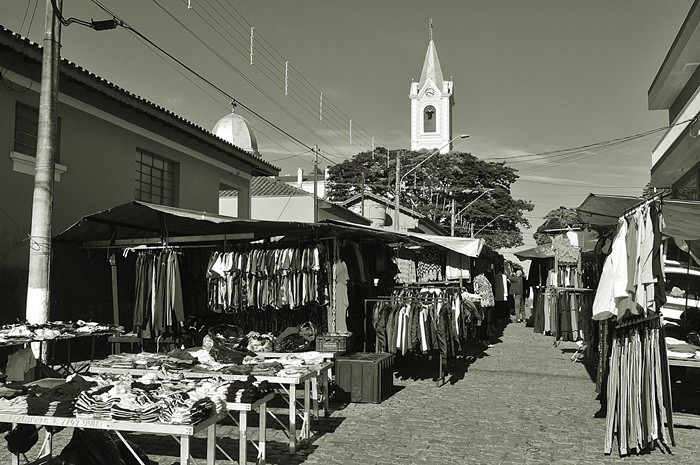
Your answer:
<point x="521" y="401"/>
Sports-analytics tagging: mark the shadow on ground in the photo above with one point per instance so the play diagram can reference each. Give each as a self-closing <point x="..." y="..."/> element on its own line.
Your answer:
<point x="164" y="450"/>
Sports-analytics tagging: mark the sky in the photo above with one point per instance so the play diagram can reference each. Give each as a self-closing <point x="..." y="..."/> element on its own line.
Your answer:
<point x="530" y="76"/>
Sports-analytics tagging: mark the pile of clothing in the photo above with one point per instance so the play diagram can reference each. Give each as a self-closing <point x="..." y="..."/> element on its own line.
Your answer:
<point x="247" y="392"/>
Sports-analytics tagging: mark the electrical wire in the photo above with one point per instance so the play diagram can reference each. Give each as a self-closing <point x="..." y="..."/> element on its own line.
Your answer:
<point x="595" y="145"/>
<point x="123" y="24"/>
<point x="252" y="83"/>
<point x="213" y="98"/>
<point x="313" y="89"/>
<point x="7" y="84"/>
<point x="341" y="119"/>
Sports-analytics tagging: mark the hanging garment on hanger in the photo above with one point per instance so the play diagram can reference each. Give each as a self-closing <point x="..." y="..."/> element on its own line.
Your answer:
<point x="613" y="279"/>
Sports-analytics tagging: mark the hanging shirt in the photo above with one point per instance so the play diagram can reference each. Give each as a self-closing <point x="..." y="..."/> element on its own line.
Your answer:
<point x="613" y="279"/>
<point x="482" y="286"/>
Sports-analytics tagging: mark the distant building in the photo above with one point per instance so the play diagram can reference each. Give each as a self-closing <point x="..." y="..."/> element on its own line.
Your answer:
<point x="431" y="105"/>
<point x="675" y="161"/>
<point x="277" y="201"/>
<point x="380" y="211"/>
<point x="306" y="181"/>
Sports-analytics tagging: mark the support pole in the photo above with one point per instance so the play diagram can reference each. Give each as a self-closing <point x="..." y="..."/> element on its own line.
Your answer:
<point x="315" y="183"/>
<point x="397" y="202"/>
<point x="38" y="291"/>
<point x="452" y="222"/>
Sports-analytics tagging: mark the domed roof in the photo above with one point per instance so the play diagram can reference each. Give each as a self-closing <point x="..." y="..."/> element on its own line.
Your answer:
<point x="236" y="130"/>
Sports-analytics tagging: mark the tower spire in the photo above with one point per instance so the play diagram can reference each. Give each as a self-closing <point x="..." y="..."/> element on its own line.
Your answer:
<point x="431" y="28"/>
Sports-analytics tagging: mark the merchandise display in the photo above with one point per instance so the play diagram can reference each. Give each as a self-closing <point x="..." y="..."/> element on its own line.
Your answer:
<point x="22" y="333"/>
<point x="283" y="277"/>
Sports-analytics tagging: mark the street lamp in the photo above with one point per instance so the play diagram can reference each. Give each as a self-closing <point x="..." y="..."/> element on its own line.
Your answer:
<point x="400" y="180"/>
<point x="489" y="223"/>
<point x="455" y="215"/>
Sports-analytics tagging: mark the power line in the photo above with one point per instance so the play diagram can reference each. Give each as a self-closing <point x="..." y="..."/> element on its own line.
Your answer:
<point x="314" y="91"/>
<point x="568" y="151"/>
<point x="251" y="82"/>
<point x="198" y="75"/>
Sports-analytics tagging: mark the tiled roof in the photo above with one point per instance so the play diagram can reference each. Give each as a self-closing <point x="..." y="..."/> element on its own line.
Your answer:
<point x="20" y="43"/>
<point x="262" y="186"/>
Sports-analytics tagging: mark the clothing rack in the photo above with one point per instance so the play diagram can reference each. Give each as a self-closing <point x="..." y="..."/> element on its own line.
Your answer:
<point x="572" y="289"/>
<point x="425" y="299"/>
<point x="654" y="321"/>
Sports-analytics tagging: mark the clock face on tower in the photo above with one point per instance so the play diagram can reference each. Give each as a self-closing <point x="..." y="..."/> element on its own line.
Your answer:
<point x="430" y="92"/>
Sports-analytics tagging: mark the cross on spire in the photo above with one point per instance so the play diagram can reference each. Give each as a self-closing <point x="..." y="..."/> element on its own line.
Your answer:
<point x="431" y="28"/>
<point x="234" y="104"/>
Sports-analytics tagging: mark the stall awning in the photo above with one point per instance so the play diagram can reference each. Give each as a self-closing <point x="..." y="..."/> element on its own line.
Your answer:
<point x="142" y="222"/>
<point x="540" y="251"/>
<point x="137" y="223"/>
<point x="471" y="247"/>
<point x="681" y="219"/>
<point x="605" y="210"/>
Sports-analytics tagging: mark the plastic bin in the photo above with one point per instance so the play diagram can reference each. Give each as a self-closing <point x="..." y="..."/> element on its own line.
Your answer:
<point x="365" y="377"/>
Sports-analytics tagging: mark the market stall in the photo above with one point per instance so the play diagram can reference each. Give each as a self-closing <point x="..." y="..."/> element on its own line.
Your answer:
<point x="112" y="405"/>
<point x="633" y="374"/>
<point x="283" y="374"/>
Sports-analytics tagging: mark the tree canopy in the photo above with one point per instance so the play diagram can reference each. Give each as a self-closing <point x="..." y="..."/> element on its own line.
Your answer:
<point x="480" y="190"/>
<point x="559" y="218"/>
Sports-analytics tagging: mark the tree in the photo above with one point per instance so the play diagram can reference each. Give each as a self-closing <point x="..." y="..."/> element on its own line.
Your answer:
<point x="431" y="188"/>
<point x="560" y="218"/>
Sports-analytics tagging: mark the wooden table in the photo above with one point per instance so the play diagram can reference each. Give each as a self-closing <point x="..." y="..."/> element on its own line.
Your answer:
<point x="684" y="362"/>
<point x="182" y="432"/>
<point x="242" y="422"/>
<point x="287" y="385"/>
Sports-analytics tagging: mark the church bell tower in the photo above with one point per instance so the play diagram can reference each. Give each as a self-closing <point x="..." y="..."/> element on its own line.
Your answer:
<point x="431" y="105"/>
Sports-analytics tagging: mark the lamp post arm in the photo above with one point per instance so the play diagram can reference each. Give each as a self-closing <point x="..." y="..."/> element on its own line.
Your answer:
<point x="488" y="224"/>
<point x="470" y="203"/>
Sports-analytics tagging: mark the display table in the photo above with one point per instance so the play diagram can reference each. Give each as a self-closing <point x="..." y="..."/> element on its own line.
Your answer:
<point x="684" y="362"/>
<point x="324" y="376"/>
<point x="182" y="432"/>
<point x="242" y="422"/>
<point x="287" y="386"/>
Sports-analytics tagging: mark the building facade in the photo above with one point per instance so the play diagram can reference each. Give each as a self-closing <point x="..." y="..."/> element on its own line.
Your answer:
<point x="113" y="147"/>
<point x="276" y="200"/>
<point x="675" y="161"/>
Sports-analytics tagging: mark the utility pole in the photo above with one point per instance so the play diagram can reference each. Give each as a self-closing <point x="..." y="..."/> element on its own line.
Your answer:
<point x="452" y="221"/>
<point x="396" y="191"/>
<point x="362" y="205"/>
<point x="315" y="183"/>
<point x="38" y="286"/>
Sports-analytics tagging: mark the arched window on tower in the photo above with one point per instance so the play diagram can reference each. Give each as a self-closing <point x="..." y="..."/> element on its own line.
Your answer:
<point x="429" y="119"/>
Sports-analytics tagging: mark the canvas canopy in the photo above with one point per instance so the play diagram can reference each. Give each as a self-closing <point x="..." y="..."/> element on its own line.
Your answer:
<point x="137" y="223"/>
<point x="681" y="218"/>
<point x="540" y="251"/>
<point x="605" y="210"/>
<point x="471" y="247"/>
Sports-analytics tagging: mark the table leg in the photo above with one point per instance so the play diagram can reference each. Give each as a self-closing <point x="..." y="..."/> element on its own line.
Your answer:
<point x="184" y="449"/>
<point x="292" y="418"/>
<point x="211" y="444"/>
<point x="262" y="434"/>
<point x="307" y="410"/>
<point x="314" y="395"/>
<point x="326" y="402"/>
<point x="243" y="437"/>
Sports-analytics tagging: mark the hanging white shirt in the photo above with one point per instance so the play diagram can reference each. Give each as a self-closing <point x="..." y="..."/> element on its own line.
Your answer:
<point x="613" y="279"/>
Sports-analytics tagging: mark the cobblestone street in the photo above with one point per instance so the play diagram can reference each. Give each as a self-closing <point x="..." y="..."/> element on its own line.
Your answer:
<point x="522" y="401"/>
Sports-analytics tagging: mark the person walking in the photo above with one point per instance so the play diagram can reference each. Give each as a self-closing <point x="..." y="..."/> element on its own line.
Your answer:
<point x="520" y="293"/>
